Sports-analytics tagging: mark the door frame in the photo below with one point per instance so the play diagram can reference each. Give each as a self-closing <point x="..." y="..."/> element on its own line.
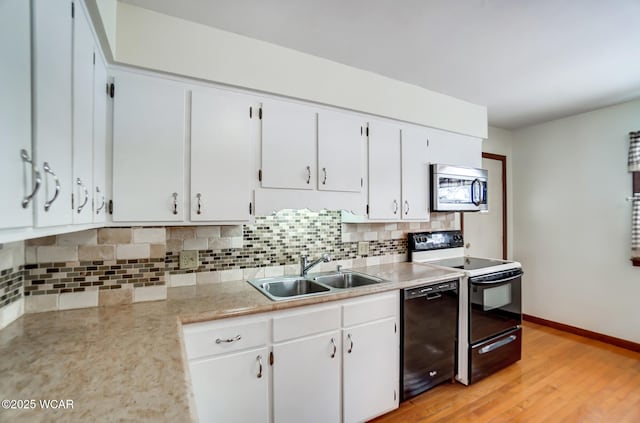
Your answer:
<point x="503" y="160"/>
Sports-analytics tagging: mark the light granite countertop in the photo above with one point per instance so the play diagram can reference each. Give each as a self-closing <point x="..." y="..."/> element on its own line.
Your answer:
<point x="125" y="363"/>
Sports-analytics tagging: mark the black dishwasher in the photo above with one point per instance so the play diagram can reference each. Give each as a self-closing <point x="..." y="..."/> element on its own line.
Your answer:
<point x="429" y="327"/>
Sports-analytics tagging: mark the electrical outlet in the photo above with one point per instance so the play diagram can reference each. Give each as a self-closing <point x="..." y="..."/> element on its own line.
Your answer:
<point x="363" y="248"/>
<point x="189" y="259"/>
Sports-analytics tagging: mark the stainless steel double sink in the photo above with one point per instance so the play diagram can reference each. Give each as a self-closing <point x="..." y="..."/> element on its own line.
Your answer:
<point x="292" y="287"/>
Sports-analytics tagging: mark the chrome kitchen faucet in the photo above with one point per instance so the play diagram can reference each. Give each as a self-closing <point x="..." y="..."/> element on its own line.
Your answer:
<point x="304" y="267"/>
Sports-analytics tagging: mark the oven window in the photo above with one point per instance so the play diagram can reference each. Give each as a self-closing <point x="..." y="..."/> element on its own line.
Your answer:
<point x="497" y="297"/>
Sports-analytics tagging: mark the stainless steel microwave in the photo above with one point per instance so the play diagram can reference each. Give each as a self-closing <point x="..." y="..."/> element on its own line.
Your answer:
<point x="455" y="188"/>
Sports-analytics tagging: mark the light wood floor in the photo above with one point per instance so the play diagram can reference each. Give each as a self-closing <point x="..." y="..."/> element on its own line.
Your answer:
<point x="561" y="378"/>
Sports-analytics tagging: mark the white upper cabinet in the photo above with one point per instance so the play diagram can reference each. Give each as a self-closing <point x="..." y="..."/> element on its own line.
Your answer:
<point x="51" y="83"/>
<point x="223" y="135"/>
<point x="415" y="173"/>
<point x="340" y="151"/>
<point x="148" y="149"/>
<point x="288" y="145"/>
<point x="100" y="101"/>
<point x="384" y="171"/>
<point x="16" y="167"/>
<point x="83" y="91"/>
<point x="454" y="149"/>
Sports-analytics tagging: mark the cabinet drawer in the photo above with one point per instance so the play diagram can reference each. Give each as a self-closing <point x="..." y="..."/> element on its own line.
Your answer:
<point x="369" y="309"/>
<point x="295" y="325"/>
<point x="211" y="338"/>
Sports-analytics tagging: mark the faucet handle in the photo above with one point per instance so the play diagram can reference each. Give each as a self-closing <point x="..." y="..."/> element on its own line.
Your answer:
<point x="339" y="268"/>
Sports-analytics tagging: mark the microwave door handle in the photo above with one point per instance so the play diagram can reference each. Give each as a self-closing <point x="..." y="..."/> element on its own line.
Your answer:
<point x="473" y="191"/>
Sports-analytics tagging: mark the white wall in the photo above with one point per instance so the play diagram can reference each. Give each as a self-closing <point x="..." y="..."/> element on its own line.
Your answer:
<point x="500" y="141"/>
<point x="108" y="11"/>
<point x="155" y="41"/>
<point x="572" y="222"/>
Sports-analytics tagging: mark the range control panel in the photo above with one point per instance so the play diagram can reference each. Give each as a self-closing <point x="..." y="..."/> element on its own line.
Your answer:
<point x="425" y="241"/>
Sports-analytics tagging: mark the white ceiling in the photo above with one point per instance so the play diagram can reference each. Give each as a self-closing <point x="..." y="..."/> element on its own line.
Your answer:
<point x="527" y="61"/>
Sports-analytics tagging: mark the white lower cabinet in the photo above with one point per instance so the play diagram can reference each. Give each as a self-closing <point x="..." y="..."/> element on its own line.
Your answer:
<point x="306" y="379"/>
<point x="320" y="363"/>
<point x="370" y="377"/>
<point x="232" y="388"/>
<point x="371" y="356"/>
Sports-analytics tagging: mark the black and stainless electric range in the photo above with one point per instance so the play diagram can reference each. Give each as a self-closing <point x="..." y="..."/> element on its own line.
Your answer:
<point x="490" y="303"/>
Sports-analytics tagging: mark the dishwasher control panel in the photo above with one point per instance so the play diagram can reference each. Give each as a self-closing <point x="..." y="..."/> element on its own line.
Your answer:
<point x="423" y="291"/>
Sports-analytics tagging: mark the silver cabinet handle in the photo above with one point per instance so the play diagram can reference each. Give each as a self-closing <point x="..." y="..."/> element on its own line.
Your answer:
<point x="432" y="373"/>
<point x="99" y="209"/>
<point x="47" y="169"/>
<point x="259" y="358"/>
<point x="229" y="340"/>
<point x="38" y="180"/>
<point x="199" y="208"/>
<point x="324" y="179"/>
<point x="350" y="343"/>
<point x="86" y="195"/>
<point x="175" y="202"/>
<point x="406" y="203"/>
<point x="308" y="174"/>
<point x="395" y="207"/>
<point x="335" y="348"/>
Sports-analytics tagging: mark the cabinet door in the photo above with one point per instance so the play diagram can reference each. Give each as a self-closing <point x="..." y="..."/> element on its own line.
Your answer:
<point x="371" y="366"/>
<point x="52" y="58"/>
<point x="15" y="116"/>
<point x="415" y="174"/>
<point x="288" y="145"/>
<point x="306" y="380"/>
<point x="222" y="159"/>
<point x="148" y="149"/>
<point x="384" y="171"/>
<point x="100" y="99"/>
<point x="232" y="388"/>
<point x="340" y="152"/>
<point x="83" y="59"/>
<point x="454" y="149"/>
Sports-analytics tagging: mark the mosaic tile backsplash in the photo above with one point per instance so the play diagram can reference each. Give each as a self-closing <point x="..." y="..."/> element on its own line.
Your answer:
<point x="11" y="281"/>
<point x="279" y="240"/>
<point x="110" y="265"/>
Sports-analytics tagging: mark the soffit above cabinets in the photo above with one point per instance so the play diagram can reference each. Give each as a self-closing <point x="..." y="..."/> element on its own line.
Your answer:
<point x="528" y="62"/>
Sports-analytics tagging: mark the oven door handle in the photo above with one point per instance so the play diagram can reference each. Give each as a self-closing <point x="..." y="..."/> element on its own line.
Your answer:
<point x="498" y="344"/>
<point x="495" y="282"/>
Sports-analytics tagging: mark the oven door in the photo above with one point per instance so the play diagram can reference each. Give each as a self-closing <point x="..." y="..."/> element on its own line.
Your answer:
<point x="495" y="304"/>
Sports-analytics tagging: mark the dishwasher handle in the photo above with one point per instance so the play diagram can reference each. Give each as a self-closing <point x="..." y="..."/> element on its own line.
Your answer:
<point x="432" y="291"/>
